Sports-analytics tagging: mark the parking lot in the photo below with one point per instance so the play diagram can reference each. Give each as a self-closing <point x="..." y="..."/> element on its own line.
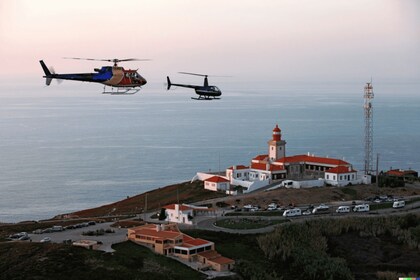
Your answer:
<point x="107" y="239"/>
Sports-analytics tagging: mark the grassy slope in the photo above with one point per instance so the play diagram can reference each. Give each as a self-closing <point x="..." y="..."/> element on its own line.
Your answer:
<point x="56" y="261"/>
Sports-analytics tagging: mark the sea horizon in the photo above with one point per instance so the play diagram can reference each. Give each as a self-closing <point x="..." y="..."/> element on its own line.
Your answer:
<point x="65" y="149"/>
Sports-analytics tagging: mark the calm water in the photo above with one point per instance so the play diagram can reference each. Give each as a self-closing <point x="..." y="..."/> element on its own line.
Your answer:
<point x="64" y="149"/>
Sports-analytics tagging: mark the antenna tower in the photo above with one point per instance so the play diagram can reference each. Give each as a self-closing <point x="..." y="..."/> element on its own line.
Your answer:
<point x="368" y="96"/>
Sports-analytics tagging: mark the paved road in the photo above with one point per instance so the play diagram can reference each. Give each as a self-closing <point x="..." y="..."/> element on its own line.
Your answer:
<point x="209" y="222"/>
<point x="76" y="234"/>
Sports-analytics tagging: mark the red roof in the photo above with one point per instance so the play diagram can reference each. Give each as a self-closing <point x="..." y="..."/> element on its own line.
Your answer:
<point x="263" y="166"/>
<point x="181" y="207"/>
<point x="157" y="234"/>
<point x="216" y="179"/>
<point x="341" y="170"/>
<point x="276" y="129"/>
<point x="222" y="260"/>
<point x="312" y="159"/>
<point x="260" y="157"/>
<point x="238" y="167"/>
<point x="400" y="172"/>
<point x="188" y="240"/>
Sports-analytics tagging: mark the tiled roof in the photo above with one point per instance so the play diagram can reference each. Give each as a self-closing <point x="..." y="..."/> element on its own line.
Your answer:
<point x="158" y="234"/>
<point x="195" y="241"/>
<point x="216" y="179"/>
<point x="209" y="254"/>
<point x="399" y="172"/>
<point x="312" y="159"/>
<point x="260" y="157"/>
<point x="239" y="167"/>
<point x="263" y="166"/>
<point x="222" y="260"/>
<point x="181" y="207"/>
<point x="341" y="170"/>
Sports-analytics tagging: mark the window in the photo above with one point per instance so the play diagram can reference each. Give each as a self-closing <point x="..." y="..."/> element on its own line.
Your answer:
<point x="328" y="176"/>
<point x="334" y="177"/>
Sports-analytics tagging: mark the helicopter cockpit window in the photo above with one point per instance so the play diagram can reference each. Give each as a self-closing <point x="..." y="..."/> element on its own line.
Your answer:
<point x="215" y="89"/>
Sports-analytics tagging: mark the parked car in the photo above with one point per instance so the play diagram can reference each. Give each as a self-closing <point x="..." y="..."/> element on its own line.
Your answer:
<point x="45" y="240"/>
<point x="307" y="212"/>
<point x="322" y="208"/>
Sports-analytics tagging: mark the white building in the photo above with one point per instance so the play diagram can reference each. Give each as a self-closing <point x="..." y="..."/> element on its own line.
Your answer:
<point x="237" y="172"/>
<point x="216" y="183"/>
<point x="185" y="213"/>
<point x="341" y="176"/>
<point x="275" y="165"/>
<point x="177" y="213"/>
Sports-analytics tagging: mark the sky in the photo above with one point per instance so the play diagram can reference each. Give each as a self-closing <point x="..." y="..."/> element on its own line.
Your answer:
<point x="283" y="41"/>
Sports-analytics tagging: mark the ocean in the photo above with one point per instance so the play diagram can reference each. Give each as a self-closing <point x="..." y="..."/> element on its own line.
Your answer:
<point x="69" y="148"/>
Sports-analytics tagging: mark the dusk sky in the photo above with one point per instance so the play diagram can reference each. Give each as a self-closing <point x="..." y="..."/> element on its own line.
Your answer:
<point x="268" y="40"/>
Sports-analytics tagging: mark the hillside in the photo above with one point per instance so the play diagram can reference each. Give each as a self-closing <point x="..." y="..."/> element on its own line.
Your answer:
<point x="184" y="192"/>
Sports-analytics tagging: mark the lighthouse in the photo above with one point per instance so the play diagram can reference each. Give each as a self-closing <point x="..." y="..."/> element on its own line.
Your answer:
<point x="276" y="146"/>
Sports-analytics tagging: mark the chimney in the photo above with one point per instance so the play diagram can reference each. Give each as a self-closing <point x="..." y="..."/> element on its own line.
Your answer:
<point x="157" y="228"/>
<point x="267" y="166"/>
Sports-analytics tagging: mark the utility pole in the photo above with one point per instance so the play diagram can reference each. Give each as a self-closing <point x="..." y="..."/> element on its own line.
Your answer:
<point x="145" y="208"/>
<point x="377" y="170"/>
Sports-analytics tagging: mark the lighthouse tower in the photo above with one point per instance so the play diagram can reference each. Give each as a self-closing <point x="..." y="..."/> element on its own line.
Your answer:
<point x="276" y="146"/>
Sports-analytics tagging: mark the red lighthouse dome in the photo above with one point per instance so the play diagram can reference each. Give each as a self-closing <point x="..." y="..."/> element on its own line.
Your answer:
<point x="277" y="133"/>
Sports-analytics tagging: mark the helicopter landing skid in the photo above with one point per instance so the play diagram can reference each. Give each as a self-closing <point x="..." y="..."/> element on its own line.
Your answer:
<point x="205" y="98"/>
<point x="124" y="91"/>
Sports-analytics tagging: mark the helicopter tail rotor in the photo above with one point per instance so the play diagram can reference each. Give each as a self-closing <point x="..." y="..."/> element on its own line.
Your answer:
<point x="169" y="83"/>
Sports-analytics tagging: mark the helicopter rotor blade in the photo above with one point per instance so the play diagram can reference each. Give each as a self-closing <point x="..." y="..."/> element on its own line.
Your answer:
<point x="194" y="74"/>
<point x="203" y="75"/>
<point x="115" y="60"/>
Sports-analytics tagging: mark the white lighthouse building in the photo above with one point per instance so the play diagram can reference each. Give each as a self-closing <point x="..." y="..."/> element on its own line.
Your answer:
<point x="276" y="146"/>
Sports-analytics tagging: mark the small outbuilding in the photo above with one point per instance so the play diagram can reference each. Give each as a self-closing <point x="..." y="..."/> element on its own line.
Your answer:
<point x="341" y="176"/>
<point x="216" y="183"/>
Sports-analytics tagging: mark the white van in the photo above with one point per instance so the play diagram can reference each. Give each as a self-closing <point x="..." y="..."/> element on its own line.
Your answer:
<point x="343" y="209"/>
<point x="398" y="204"/>
<point x="292" y="212"/>
<point x="361" y="208"/>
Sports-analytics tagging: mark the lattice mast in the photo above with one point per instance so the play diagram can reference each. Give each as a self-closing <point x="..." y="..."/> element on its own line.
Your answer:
<point x="368" y="108"/>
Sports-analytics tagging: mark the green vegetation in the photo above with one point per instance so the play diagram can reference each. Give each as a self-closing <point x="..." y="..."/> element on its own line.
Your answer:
<point x="391" y="182"/>
<point x="351" y="192"/>
<point x="320" y="249"/>
<point x="56" y="261"/>
<point x="246" y="223"/>
<point x="379" y="206"/>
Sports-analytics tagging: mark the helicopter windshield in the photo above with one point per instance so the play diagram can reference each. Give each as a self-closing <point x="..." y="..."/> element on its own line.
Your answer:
<point x="214" y="88"/>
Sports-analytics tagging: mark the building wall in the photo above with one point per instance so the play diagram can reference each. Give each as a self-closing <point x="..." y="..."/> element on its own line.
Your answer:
<point x="210" y="186"/>
<point x="342" y="179"/>
<point x="179" y="216"/>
